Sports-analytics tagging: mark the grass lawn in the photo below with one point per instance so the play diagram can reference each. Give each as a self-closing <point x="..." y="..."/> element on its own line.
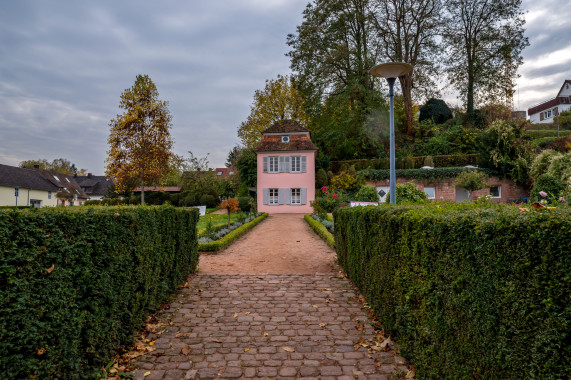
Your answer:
<point x="217" y="220"/>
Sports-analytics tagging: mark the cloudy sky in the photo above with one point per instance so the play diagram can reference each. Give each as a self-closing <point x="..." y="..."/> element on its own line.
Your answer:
<point x="64" y="65"/>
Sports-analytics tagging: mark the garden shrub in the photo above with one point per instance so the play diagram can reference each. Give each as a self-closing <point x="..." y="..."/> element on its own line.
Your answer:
<point x="244" y="204"/>
<point x="560" y="167"/>
<point x="421" y="174"/>
<point x="344" y="181"/>
<point x="367" y="193"/>
<point x="549" y="184"/>
<point x="472" y="180"/>
<point x="321" y="179"/>
<point x="408" y="193"/>
<point x="541" y="163"/>
<point x="468" y="292"/>
<point x="76" y="283"/>
<point x="435" y="110"/>
<point x="208" y="200"/>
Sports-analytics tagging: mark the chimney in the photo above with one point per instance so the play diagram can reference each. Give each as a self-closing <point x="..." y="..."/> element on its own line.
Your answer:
<point x="36" y="166"/>
<point x="89" y="175"/>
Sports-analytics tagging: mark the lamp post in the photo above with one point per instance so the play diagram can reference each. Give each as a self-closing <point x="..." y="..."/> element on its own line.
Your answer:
<point x="391" y="71"/>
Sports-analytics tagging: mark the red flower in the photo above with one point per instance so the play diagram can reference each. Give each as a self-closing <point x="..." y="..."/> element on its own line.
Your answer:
<point x="334" y="196"/>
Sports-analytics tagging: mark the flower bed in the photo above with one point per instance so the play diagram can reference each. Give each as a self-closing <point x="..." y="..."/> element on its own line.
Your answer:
<point x="323" y="227"/>
<point x="226" y="236"/>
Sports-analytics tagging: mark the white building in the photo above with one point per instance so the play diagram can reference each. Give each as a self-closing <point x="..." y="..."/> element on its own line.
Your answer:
<point x="544" y="112"/>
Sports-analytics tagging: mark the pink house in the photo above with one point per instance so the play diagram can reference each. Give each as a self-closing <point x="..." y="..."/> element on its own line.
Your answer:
<point x="286" y="169"/>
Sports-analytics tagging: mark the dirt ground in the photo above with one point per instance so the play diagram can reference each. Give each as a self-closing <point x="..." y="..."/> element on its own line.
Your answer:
<point x="282" y="243"/>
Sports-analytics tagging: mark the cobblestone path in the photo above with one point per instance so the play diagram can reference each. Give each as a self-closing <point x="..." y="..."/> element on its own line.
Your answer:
<point x="282" y="326"/>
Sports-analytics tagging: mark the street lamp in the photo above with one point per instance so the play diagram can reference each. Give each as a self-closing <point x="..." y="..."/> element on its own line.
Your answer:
<point x="391" y="71"/>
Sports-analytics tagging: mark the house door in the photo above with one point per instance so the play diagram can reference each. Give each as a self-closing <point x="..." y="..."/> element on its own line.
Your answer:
<point x="462" y="195"/>
<point x="383" y="191"/>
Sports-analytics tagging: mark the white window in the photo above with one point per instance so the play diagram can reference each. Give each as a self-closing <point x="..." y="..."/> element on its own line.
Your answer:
<point x="219" y="173"/>
<point x="547" y="114"/>
<point x="430" y="192"/>
<point x="295" y="196"/>
<point x="16" y="192"/>
<point x="67" y="179"/>
<point x="49" y="195"/>
<point x="274" y="199"/>
<point x="231" y="172"/>
<point x="57" y="179"/>
<point x="496" y="191"/>
<point x="273" y="163"/>
<point x="285" y="138"/>
<point x="296" y="164"/>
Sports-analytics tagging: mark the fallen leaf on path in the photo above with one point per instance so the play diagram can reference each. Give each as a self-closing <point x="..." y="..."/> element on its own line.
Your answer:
<point x="147" y="373"/>
<point x="288" y="349"/>
<point x="323" y="324"/>
<point x="246" y="349"/>
<point x="235" y="315"/>
<point x="50" y="269"/>
<point x="266" y="333"/>
<point x="185" y="351"/>
<point x="181" y="335"/>
<point x="41" y="351"/>
<point x="410" y="374"/>
<point x="315" y="306"/>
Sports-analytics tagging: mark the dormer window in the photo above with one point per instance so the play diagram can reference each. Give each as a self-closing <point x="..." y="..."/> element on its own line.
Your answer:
<point x="57" y="179"/>
<point x="67" y="179"/>
<point x="285" y="138"/>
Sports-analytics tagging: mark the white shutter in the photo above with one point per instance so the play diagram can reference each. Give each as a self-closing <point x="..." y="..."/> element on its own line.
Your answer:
<point x="282" y="165"/>
<point x="281" y="196"/>
<point x="303" y="196"/>
<point x="288" y="197"/>
<point x="287" y="166"/>
<point x="266" y="195"/>
<point x="303" y="164"/>
<point x="265" y="165"/>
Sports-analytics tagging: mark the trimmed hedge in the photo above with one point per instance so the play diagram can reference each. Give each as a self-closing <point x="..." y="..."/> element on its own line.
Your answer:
<point x="76" y="283"/>
<point x="226" y="240"/>
<point x="320" y="230"/>
<point x="539" y="133"/>
<point x="429" y="174"/>
<point x="418" y="162"/>
<point x="469" y="292"/>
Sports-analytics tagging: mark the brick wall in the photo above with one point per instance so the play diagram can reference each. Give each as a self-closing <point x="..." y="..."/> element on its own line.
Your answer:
<point x="446" y="191"/>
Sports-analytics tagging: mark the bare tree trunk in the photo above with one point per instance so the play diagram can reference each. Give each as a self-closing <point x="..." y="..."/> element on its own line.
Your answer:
<point x="406" y="86"/>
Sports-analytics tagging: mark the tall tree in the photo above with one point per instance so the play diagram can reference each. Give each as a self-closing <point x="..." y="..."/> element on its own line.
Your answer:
<point x="233" y="156"/>
<point x="59" y="165"/>
<point x="140" y="144"/>
<point x="408" y="31"/>
<point x="332" y="52"/>
<point x="279" y="100"/>
<point x="484" y="40"/>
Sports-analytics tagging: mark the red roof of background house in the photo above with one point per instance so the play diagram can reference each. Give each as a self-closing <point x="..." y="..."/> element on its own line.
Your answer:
<point x="225" y="172"/>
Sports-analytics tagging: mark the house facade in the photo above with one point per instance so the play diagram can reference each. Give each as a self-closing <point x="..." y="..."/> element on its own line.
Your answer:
<point x="286" y="169"/>
<point x="546" y="111"/>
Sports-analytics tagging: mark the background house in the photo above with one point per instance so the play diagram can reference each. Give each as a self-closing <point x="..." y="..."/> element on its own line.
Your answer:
<point x="94" y="186"/>
<point x="25" y="187"/>
<point x="285" y="169"/>
<point x="544" y="112"/>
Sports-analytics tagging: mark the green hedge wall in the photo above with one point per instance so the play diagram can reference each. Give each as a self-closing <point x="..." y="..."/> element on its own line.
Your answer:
<point x="76" y="283"/>
<point x="418" y="162"/>
<point x="470" y="293"/>
<point x="320" y="230"/>
<point x="428" y="174"/>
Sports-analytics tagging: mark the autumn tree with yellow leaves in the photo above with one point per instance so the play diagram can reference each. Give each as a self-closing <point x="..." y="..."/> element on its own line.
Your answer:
<point x="279" y="100"/>
<point x="140" y="144"/>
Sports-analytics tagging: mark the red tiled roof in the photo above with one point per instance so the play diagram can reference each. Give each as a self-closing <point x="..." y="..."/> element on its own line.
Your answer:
<point x="225" y="172"/>
<point x="277" y="146"/>
<point x="285" y="126"/>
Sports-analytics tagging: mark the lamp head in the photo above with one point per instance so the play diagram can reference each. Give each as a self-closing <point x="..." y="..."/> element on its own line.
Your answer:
<point x="391" y="70"/>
